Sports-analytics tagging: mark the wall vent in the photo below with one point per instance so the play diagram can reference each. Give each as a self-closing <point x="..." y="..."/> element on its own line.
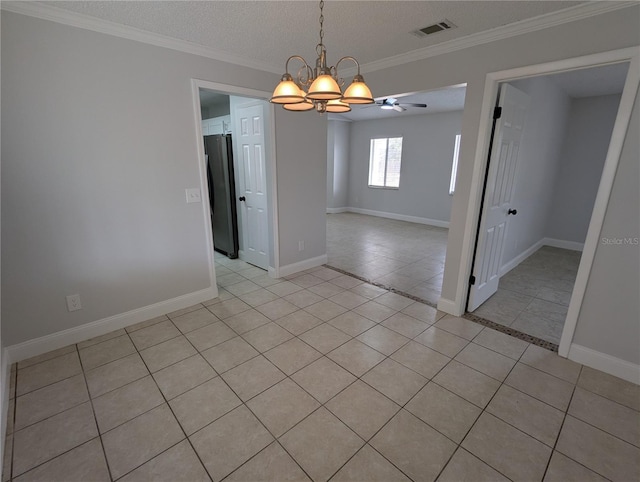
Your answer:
<point x="435" y="28"/>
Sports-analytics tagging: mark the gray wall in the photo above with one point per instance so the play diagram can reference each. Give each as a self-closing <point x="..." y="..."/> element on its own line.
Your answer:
<point x="608" y="320"/>
<point x="427" y="153"/>
<point x="338" y="139"/>
<point x="537" y="165"/>
<point x="584" y="151"/>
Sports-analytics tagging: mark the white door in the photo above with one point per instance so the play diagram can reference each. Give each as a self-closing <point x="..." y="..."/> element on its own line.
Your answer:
<point x="249" y="138"/>
<point x="497" y="198"/>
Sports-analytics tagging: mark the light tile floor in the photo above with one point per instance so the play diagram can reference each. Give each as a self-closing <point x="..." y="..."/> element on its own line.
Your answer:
<point x="315" y="377"/>
<point x="532" y="298"/>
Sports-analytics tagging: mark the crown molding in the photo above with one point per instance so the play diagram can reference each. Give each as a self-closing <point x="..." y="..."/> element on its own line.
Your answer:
<point x="541" y="22"/>
<point x="86" y="22"/>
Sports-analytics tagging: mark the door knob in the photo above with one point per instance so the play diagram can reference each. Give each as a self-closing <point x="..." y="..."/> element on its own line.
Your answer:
<point x="242" y="198"/>
<point x="512" y="211"/>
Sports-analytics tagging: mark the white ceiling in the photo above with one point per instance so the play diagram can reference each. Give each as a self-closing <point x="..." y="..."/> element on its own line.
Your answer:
<point x="592" y="82"/>
<point x="267" y="32"/>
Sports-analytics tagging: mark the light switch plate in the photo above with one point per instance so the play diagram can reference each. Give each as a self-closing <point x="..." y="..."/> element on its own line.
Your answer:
<point x="193" y="195"/>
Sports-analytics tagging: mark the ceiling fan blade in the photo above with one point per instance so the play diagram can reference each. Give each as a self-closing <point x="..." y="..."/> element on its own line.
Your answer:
<point x="398" y="108"/>
<point x="413" y="105"/>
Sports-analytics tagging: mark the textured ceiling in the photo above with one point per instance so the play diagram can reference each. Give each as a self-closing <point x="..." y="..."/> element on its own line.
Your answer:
<point x="270" y="31"/>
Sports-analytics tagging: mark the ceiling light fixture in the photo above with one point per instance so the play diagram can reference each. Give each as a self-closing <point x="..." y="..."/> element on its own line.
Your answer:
<point x="322" y="84"/>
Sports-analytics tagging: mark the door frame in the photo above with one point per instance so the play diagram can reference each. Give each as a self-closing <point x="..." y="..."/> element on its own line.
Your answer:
<point x="272" y="187"/>
<point x="492" y="84"/>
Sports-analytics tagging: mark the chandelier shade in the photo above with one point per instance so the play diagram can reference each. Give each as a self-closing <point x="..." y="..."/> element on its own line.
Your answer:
<point x="319" y="88"/>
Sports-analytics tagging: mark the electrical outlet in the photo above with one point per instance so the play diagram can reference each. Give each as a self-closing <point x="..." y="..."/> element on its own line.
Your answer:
<point x="73" y="302"/>
<point x="300" y="245"/>
<point x="193" y="195"/>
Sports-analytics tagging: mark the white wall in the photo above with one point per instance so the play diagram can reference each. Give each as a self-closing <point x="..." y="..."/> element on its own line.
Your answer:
<point x="427" y="154"/>
<point x="537" y="165"/>
<point x="584" y="150"/>
<point x="338" y="140"/>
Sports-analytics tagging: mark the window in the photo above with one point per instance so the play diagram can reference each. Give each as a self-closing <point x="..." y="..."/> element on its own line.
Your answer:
<point x="454" y="167"/>
<point x="385" y="157"/>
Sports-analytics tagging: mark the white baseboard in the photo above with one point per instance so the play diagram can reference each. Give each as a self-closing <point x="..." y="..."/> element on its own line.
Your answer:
<point x="337" y="210"/>
<point x="606" y="363"/>
<point x="509" y="265"/>
<point x="560" y="243"/>
<point x="302" y="265"/>
<point x="63" y="338"/>
<point x="400" y="217"/>
<point x="449" y="307"/>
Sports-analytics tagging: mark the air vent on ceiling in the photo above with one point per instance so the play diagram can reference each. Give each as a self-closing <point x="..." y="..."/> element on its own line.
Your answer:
<point x="435" y="28"/>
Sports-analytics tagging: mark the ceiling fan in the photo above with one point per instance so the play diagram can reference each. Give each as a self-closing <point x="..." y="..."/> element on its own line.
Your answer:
<point x="391" y="103"/>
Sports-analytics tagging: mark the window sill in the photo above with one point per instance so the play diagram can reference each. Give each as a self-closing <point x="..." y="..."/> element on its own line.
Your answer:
<point x="384" y="187"/>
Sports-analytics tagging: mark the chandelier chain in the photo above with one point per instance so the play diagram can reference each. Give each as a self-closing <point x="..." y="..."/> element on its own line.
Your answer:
<point x="321" y="21"/>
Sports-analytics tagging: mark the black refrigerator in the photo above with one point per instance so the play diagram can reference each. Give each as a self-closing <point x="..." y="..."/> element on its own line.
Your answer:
<point x="222" y="193"/>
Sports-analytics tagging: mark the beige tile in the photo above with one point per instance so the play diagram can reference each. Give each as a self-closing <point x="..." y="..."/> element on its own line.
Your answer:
<point x="258" y="297"/>
<point x="204" y="404"/>
<point x="307" y="280"/>
<point x="368" y="465"/>
<point x="101" y="338"/>
<point x="152" y="335"/>
<point x="45" y="440"/>
<point x="607" y="455"/>
<point x="106" y="352"/>
<point x="356" y="357"/>
<point x="539" y="385"/>
<point x="227" y="308"/>
<point x="194" y="320"/>
<point x="271" y="464"/>
<point x="383" y="339"/>
<point x="459" y="326"/>
<point x="419" y="358"/>
<point x="528" y="414"/>
<point x="321" y="444"/>
<point x="299" y="322"/>
<point x="464" y="466"/>
<point x="229" y="354"/>
<point x="326" y="290"/>
<point x="325" y="338"/>
<point x="46" y="356"/>
<point x="292" y="355"/>
<point x="210" y="335"/>
<point x="549" y="362"/>
<point x="230" y="441"/>
<point x="442" y="341"/>
<point x="303" y="298"/>
<point x="608" y="386"/>
<point x="423" y="312"/>
<point x="180" y="464"/>
<point x="50" y="400"/>
<point x="323" y="379"/>
<point x="188" y="309"/>
<point x="352" y="323"/>
<point x="242" y="288"/>
<point x="246" y="321"/>
<point x="325" y="310"/>
<point x="508" y="450"/>
<point x="375" y="311"/>
<point x="486" y="361"/>
<point x="348" y="299"/>
<point x="405" y="325"/>
<point x="368" y="291"/>
<point x="183" y="376"/>
<point x="563" y="469"/>
<point x="445" y="411"/>
<point x="606" y="415"/>
<point x="267" y="336"/>
<point x="277" y="309"/>
<point x="395" y="301"/>
<point x="363" y="409"/>
<point x="414" y="447"/>
<point x="47" y="372"/>
<point x="502" y="343"/>
<point x="143" y="324"/>
<point x="140" y="439"/>
<point x="468" y="383"/>
<point x="325" y="273"/>
<point x="123" y="404"/>
<point x="282" y="406"/>
<point x="284" y="288"/>
<point x="265" y="280"/>
<point x="395" y="381"/>
<point x="115" y="374"/>
<point x="252" y="377"/>
<point x="346" y="282"/>
<point x="167" y="353"/>
<point x="81" y="464"/>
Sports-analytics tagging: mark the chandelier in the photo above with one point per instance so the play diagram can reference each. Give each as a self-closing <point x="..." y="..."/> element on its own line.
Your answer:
<point x="320" y="88"/>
